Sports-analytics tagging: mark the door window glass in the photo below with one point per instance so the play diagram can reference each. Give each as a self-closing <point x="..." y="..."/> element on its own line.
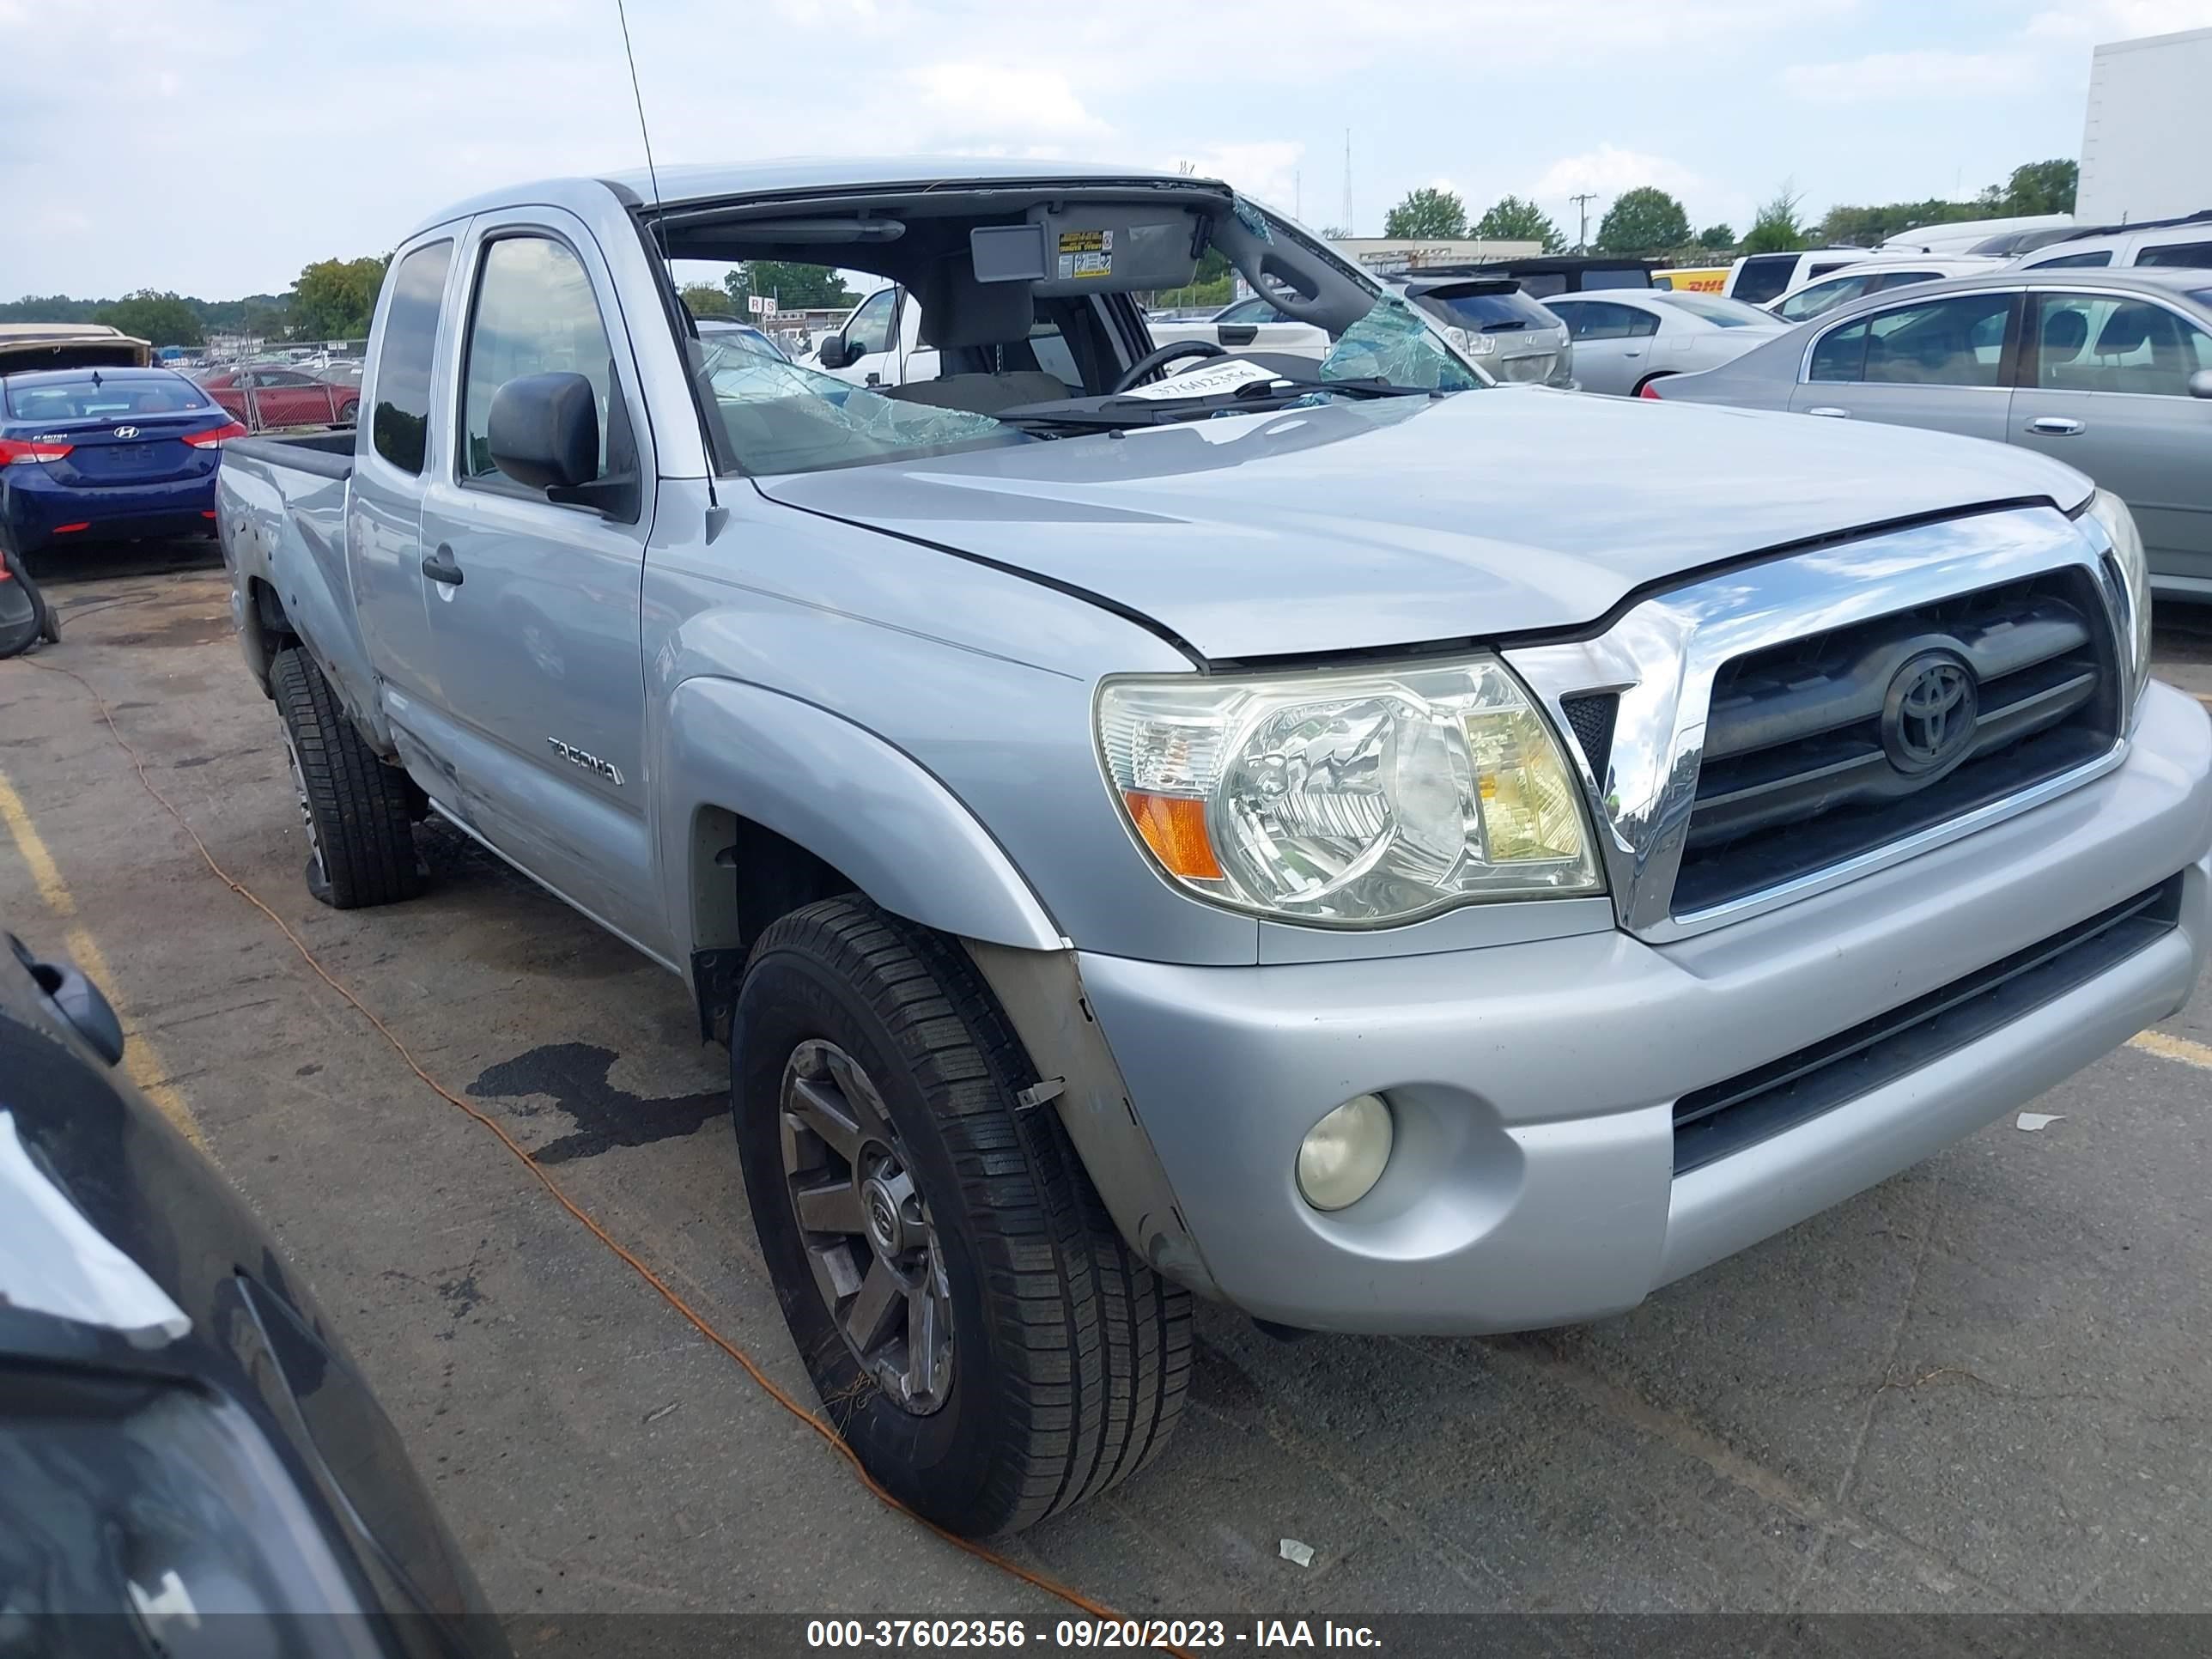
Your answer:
<point x="1810" y="303"/>
<point x="1959" y="341"/>
<point x="1600" y="319"/>
<point x="871" y="327"/>
<point x="1763" y="276"/>
<point x="2091" y="342"/>
<point x="534" y="315"/>
<point x="400" y="425"/>
<point x="2193" y="254"/>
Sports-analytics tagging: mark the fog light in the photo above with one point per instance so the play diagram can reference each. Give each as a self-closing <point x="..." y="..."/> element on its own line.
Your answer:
<point x="1342" y="1156"/>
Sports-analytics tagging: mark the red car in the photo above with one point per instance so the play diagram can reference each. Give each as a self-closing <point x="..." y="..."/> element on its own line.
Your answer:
<point x="264" y="395"/>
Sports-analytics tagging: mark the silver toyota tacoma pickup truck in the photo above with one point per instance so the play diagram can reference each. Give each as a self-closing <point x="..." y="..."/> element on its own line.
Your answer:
<point x="1387" y="852"/>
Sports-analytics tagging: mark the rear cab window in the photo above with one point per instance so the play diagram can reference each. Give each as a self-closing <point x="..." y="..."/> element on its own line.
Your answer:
<point x="400" y="425"/>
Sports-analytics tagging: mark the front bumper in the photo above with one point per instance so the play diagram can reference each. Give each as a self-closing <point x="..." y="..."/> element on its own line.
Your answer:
<point x="1532" y="1181"/>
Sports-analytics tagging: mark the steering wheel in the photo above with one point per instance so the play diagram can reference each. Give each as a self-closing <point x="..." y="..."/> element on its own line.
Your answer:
<point x="1160" y="356"/>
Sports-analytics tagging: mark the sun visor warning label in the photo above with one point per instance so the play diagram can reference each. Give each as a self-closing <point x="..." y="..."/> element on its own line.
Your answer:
<point x="1086" y="254"/>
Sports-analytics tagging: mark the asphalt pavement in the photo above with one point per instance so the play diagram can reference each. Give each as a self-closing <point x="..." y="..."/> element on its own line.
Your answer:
<point x="1981" y="1386"/>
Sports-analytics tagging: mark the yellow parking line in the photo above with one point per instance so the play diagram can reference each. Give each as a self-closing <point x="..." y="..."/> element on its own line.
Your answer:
<point x="140" y="1063"/>
<point x="2172" y="1048"/>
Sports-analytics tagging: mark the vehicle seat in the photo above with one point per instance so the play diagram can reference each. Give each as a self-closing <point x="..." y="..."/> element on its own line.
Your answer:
<point x="972" y="321"/>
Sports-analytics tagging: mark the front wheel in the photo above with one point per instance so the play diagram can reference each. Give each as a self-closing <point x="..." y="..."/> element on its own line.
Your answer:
<point x="976" y="1329"/>
<point x="348" y="414"/>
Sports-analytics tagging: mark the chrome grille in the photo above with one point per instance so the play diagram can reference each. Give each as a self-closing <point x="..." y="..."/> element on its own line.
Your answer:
<point x="1810" y="754"/>
<point x="1740" y="775"/>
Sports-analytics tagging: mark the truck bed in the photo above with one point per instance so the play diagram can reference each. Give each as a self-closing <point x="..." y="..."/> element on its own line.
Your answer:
<point x="326" y="454"/>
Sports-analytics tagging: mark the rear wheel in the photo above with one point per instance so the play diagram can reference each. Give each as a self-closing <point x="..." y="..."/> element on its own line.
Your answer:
<point x="1663" y="374"/>
<point x="974" y="1325"/>
<point x="360" y="848"/>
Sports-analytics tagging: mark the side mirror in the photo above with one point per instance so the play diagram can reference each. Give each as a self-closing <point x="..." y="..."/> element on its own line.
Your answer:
<point x="834" y="353"/>
<point x="544" y="431"/>
<point x="2200" y="383"/>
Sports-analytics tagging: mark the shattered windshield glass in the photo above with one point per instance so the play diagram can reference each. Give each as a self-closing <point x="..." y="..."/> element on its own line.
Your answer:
<point x="782" y="418"/>
<point x="1394" y="342"/>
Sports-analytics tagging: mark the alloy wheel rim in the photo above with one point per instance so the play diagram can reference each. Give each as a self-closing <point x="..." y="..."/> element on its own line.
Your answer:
<point x="869" y="1238"/>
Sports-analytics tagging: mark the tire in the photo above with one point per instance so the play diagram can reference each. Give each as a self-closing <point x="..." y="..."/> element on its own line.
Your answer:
<point x="1068" y="1358"/>
<point x="350" y="413"/>
<point x="1636" y="391"/>
<point x="360" y="848"/>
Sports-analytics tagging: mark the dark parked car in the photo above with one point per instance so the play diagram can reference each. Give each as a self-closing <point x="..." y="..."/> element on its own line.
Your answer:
<point x="267" y="395"/>
<point x="106" y="452"/>
<point x="190" y="1465"/>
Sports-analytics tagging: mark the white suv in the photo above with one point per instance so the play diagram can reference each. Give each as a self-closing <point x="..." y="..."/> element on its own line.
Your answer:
<point x="2174" y="242"/>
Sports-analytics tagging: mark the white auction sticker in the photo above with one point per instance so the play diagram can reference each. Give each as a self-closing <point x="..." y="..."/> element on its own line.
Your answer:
<point x="1211" y="381"/>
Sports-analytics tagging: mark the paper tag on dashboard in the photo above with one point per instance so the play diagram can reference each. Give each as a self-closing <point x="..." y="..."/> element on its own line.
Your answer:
<point x="1210" y="380"/>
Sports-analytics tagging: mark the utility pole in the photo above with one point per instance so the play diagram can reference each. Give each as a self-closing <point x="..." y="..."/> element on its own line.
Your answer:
<point x="1349" y="228"/>
<point x="1582" y="235"/>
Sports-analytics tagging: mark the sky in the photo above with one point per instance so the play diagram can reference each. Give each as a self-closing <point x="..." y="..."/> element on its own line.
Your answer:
<point x="216" y="146"/>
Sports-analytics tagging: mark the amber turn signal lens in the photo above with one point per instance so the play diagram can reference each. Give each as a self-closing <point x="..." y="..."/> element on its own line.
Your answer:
<point x="1175" y="829"/>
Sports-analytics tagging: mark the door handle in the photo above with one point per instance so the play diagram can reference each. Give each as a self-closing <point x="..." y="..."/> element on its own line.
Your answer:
<point x="2056" y="426"/>
<point x="1631" y="353"/>
<point x="1831" y="412"/>
<point x="439" y="567"/>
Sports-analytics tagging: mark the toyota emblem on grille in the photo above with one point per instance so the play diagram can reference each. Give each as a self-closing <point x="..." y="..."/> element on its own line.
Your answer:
<point x="126" y="431"/>
<point x="1927" y="714"/>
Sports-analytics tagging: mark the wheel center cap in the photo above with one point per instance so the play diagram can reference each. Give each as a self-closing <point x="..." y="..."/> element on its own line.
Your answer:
<point x="886" y="1230"/>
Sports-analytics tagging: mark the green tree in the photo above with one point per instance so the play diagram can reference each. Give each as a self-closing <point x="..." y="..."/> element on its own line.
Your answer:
<point x="793" y="286"/>
<point x="1642" y="221"/>
<point x="1427" y="212"/>
<point x="1335" y="233"/>
<point x="707" y="301"/>
<point x="48" y="309"/>
<point x="334" y="299"/>
<point x="2041" y="187"/>
<point x="1776" y="228"/>
<point x="1715" y="238"/>
<point x="1509" y="219"/>
<point x="1849" y="226"/>
<point x="161" y="318"/>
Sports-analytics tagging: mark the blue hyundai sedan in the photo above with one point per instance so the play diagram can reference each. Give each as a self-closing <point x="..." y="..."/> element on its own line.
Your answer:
<point x="106" y="452"/>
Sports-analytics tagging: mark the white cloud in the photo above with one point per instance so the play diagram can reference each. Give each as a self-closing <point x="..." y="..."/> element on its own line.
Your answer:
<point x="983" y="97"/>
<point x="1885" y="75"/>
<point x="1608" y="170"/>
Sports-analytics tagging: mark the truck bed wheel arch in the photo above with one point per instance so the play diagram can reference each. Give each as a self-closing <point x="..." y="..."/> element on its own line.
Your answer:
<point x="770" y="802"/>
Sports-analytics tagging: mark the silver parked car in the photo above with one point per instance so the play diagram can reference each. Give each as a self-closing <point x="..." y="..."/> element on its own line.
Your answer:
<point x="1624" y="338"/>
<point x="2110" y="371"/>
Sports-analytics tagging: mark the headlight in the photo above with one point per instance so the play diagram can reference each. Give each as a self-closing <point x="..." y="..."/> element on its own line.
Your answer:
<point x="1348" y="800"/>
<point x="2109" y="510"/>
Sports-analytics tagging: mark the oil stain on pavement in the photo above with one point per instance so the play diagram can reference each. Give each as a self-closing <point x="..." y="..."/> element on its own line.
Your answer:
<point x="573" y="1075"/>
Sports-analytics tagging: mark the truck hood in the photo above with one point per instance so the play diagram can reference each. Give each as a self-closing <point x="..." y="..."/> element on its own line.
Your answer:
<point x="1397" y="521"/>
